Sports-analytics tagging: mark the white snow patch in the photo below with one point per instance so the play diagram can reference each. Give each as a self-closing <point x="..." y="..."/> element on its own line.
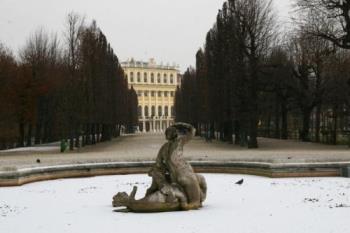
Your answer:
<point x="42" y="148"/>
<point x="259" y="205"/>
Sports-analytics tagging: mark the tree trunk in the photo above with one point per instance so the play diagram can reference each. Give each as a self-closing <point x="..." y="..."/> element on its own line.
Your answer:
<point x="93" y="134"/>
<point x="83" y="140"/>
<point x="335" y="126"/>
<point x="237" y="133"/>
<point x="284" y="113"/>
<point x="304" y="135"/>
<point x="228" y="132"/>
<point x="21" y="135"/>
<point x="198" y="130"/>
<point x="104" y="136"/>
<point x="222" y="132"/>
<point x="77" y="137"/>
<point x="268" y="126"/>
<point x="212" y="131"/>
<point x="46" y="133"/>
<point x="71" y="140"/>
<point x="253" y="133"/>
<point x="253" y="122"/>
<point x="88" y="134"/>
<point x="277" y="121"/>
<point x="253" y="101"/>
<point x="29" y="135"/>
<point x="38" y="129"/>
<point x="318" y="123"/>
<point x="117" y="130"/>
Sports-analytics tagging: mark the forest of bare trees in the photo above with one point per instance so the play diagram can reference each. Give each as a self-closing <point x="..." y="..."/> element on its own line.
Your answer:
<point x="250" y="80"/>
<point x="71" y="89"/>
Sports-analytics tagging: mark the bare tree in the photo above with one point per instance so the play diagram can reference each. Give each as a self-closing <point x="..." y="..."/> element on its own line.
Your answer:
<point x="329" y="19"/>
<point x="74" y="29"/>
<point x="56" y="94"/>
<point x="254" y="29"/>
<point x="73" y="34"/>
<point x="34" y="55"/>
<point x="8" y="75"/>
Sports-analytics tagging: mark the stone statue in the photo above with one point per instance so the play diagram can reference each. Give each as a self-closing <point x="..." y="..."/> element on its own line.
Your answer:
<point x="175" y="186"/>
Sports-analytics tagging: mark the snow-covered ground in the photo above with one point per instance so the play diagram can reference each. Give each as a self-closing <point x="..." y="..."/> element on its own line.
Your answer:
<point x="259" y="205"/>
<point x="48" y="147"/>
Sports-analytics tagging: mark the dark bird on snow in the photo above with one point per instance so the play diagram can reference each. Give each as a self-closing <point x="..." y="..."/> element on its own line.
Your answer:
<point x="239" y="182"/>
<point x="38" y="161"/>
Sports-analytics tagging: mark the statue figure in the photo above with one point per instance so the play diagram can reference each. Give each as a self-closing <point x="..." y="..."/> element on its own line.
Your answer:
<point x="175" y="186"/>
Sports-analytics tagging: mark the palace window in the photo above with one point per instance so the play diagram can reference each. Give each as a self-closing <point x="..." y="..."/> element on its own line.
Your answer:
<point x="153" y="109"/>
<point x="159" y="94"/>
<point x="172" y="111"/>
<point x="145" y="77"/>
<point x="171" y="79"/>
<point x="139" y="93"/>
<point x="138" y="77"/>
<point x="152" y="78"/>
<point x="160" y="111"/>
<point x="146" y="111"/>
<point x="131" y="77"/>
<point x="152" y="93"/>
<point x="139" y="111"/>
<point x="158" y="78"/>
<point x="146" y="93"/>
<point x="165" y="80"/>
<point x="165" y="94"/>
<point x="172" y="94"/>
<point x="166" y="111"/>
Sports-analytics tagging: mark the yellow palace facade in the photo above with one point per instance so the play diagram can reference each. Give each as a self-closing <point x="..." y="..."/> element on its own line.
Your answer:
<point x="155" y="85"/>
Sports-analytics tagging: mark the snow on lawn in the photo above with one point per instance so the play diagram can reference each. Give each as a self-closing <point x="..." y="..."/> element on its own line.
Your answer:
<point x="259" y="205"/>
<point x="48" y="147"/>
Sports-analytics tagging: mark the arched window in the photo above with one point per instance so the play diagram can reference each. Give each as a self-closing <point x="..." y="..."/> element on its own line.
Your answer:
<point x="171" y="79"/>
<point x="152" y="78"/>
<point x="166" y="111"/>
<point x="139" y="111"/>
<point x="131" y="77"/>
<point x="145" y="77"/>
<point x="158" y="78"/>
<point x="165" y="80"/>
<point x="153" y="111"/>
<point x="172" y="111"/>
<point x="160" y="111"/>
<point x="138" y="77"/>
<point x="146" y="111"/>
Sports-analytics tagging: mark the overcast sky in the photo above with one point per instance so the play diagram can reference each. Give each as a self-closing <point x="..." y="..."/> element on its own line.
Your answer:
<point x="167" y="30"/>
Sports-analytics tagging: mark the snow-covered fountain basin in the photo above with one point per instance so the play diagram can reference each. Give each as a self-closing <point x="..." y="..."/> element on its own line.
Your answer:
<point x="260" y="204"/>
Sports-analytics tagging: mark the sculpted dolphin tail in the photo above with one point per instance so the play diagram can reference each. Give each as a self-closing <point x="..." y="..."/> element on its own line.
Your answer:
<point x="133" y="193"/>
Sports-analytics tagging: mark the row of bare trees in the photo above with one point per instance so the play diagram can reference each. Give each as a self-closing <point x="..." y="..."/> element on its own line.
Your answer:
<point x="74" y="90"/>
<point x="250" y="82"/>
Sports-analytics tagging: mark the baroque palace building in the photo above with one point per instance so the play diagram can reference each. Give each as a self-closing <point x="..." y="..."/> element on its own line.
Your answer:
<point x="155" y="85"/>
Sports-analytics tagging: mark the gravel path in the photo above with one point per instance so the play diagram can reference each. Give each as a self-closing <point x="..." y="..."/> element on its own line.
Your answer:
<point x="144" y="147"/>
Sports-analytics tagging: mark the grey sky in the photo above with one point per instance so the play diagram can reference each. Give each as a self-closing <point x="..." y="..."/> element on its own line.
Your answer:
<point x="168" y="30"/>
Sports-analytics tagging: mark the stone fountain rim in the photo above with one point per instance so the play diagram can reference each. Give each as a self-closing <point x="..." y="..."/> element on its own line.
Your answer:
<point x="19" y="176"/>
